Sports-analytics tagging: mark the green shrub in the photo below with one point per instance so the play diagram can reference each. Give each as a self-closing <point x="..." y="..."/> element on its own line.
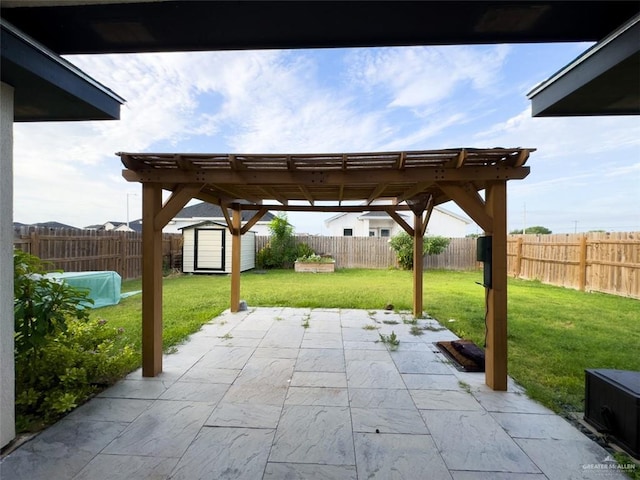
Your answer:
<point x="61" y="356"/>
<point x="402" y="244"/>
<point x="68" y="369"/>
<point x="41" y="305"/>
<point x="282" y="249"/>
<point x="304" y="250"/>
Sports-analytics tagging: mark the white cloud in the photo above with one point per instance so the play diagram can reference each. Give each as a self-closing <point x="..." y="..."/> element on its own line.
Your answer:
<point x="423" y="76"/>
<point x="567" y="137"/>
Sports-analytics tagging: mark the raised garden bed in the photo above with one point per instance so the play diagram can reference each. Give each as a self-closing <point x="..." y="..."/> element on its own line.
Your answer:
<point x="315" y="267"/>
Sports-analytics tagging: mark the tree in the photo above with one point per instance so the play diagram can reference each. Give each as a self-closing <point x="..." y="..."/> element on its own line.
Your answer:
<point x="537" y="230"/>
<point x="402" y="244"/>
<point x="281" y="251"/>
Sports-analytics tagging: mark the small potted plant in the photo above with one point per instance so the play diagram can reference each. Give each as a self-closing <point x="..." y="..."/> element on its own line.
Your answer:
<point x="315" y="263"/>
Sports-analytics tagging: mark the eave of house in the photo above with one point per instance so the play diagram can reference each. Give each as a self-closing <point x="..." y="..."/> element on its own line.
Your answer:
<point x="604" y="80"/>
<point x="47" y="87"/>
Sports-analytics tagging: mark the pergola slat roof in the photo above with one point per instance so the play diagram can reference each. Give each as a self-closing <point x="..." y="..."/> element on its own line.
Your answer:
<point x="328" y="177"/>
<point x="408" y="180"/>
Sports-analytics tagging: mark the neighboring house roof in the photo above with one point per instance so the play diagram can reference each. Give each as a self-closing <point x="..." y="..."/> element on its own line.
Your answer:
<point x="44" y="225"/>
<point x="451" y="214"/>
<point x="135" y="225"/>
<point x="209" y="210"/>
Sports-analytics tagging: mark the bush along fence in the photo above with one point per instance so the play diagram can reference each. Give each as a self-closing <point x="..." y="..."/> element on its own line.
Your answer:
<point x="75" y="250"/>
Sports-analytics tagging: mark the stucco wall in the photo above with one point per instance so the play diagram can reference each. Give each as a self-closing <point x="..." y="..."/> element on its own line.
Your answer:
<point x="7" y="388"/>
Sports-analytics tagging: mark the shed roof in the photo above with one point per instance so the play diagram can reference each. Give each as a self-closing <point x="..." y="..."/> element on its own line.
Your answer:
<point x="208" y="210"/>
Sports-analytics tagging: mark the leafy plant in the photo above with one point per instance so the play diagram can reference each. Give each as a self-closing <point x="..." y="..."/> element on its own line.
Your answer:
<point x="370" y="327"/>
<point x="416" y="330"/>
<point x="402" y="244"/>
<point x="313" y="258"/>
<point x="390" y="340"/>
<point x="41" y="305"/>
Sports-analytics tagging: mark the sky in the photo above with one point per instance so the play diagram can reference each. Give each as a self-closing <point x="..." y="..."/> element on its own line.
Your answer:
<point x="585" y="174"/>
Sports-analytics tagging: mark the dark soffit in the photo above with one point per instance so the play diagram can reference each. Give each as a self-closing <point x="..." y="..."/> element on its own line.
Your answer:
<point x="226" y="25"/>
<point x="48" y="88"/>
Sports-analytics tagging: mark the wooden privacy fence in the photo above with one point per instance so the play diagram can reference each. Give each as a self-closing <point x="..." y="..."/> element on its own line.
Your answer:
<point x="375" y="252"/>
<point x="75" y="250"/>
<point x="598" y="262"/>
<point x="348" y="252"/>
<point x="592" y="262"/>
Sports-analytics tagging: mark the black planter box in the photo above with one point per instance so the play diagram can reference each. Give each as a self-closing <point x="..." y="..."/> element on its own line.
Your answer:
<point x="612" y="405"/>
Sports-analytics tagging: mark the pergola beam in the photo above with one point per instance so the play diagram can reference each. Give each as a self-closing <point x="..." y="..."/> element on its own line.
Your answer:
<point x="253" y="220"/>
<point x="399" y="220"/>
<point x="376" y="192"/>
<point x="176" y="202"/>
<point x="326" y="177"/>
<point x="412" y="192"/>
<point x="427" y="216"/>
<point x="472" y="204"/>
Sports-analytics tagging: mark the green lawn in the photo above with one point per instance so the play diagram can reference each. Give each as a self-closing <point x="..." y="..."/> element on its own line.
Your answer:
<point x="554" y="333"/>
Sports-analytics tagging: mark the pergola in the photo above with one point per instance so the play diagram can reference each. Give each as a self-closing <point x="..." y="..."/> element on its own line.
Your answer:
<point x="413" y="181"/>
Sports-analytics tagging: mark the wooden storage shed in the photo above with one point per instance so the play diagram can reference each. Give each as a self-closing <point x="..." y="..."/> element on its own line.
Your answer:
<point x="206" y="248"/>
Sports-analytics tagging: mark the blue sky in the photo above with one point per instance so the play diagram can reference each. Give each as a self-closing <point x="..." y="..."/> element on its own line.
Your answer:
<point x="585" y="174"/>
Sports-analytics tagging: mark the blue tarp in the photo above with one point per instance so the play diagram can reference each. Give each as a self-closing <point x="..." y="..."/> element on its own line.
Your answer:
<point x="104" y="286"/>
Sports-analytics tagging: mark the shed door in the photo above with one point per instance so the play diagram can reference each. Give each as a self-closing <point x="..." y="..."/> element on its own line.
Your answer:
<point x="209" y="246"/>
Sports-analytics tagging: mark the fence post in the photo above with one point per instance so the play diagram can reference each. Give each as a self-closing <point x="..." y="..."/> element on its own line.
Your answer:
<point x="582" y="282"/>
<point x="35" y="243"/>
<point x="123" y="254"/>
<point x="518" y="264"/>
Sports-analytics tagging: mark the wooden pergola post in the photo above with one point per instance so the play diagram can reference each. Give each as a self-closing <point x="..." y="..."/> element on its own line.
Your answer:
<point x="151" y="281"/>
<point x="418" y="265"/>
<point x="496" y="348"/>
<point x="236" y="236"/>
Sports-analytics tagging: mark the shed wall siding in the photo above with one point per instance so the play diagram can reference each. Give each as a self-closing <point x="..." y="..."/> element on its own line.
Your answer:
<point x="209" y="252"/>
<point x="188" y="250"/>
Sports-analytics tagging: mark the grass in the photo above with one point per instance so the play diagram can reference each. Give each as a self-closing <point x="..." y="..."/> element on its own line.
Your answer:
<point x="554" y="333"/>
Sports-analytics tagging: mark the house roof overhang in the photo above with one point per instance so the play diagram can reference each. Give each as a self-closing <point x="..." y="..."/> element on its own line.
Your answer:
<point x="108" y="26"/>
<point x="333" y="182"/>
<point x="121" y="26"/>
<point x="48" y="88"/>
<point x="604" y="80"/>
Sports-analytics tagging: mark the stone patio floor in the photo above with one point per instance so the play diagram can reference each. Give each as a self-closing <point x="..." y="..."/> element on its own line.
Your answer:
<point x="256" y="395"/>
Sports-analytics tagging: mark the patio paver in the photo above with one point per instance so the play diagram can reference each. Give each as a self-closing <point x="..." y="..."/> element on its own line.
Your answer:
<point x="257" y="395"/>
